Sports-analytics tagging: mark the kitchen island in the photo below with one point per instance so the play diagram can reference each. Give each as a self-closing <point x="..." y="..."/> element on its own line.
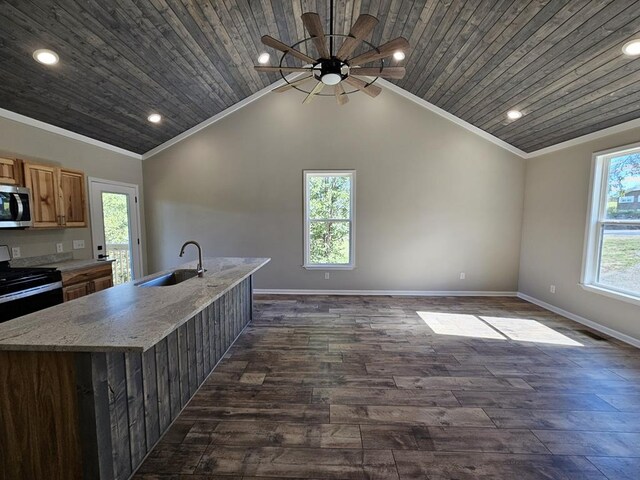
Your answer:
<point x="88" y="387"/>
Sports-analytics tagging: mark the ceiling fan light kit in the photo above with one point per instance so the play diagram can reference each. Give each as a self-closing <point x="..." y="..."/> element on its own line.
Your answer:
<point x="339" y="69"/>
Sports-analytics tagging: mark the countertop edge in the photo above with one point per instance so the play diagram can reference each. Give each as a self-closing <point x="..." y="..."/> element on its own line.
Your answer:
<point x="143" y="345"/>
<point x="148" y="345"/>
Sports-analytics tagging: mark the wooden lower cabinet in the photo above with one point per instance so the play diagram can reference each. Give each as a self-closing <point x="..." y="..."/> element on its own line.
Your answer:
<point x="102" y="283"/>
<point x="85" y="281"/>
<point x="75" y="291"/>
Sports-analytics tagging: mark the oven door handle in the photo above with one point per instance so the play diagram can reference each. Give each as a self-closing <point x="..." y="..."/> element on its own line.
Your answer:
<point x="30" y="292"/>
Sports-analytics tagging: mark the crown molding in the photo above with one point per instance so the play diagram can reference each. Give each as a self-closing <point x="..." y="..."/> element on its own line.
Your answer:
<point x="452" y="118"/>
<point x="394" y="88"/>
<point x="217" y="117"/>
<point x="16" y="117"/>
<point x="605" y="132"/>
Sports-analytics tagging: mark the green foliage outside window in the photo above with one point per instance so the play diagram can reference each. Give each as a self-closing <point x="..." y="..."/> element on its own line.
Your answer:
<point x="116" y="220"/>
<point x="329" y="214"/>
<point x="116" y="235"/>
<point x="624" y="176"/>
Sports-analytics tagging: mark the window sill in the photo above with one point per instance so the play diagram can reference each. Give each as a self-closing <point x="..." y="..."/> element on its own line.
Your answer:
<point x="611" y="293"/>
<point x="329" y="267"/>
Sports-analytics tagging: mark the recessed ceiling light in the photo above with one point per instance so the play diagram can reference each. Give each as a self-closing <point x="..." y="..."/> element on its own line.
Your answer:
<point x="514" y="114"/>
<point x="45" y="56"/>
<point x="399" y="55"/>
<point x="263" y="58"/>
<point x="632" y="48"/>
<point x="154" y="118"/>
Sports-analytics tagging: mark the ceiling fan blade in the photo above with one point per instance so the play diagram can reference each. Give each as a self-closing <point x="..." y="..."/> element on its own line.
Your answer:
<point x="317" y="89"/>
<point x="283" y="47"/>
<point x="341" y="97"/>
<point x="290" y="85"/>
<point x="386" y="72"/>
<point x="313" y="24"/>
<point x="263" y="68"/>
<point x="359" y="31"/>
<point x="371" y="90"/>
<point x="382" y="51"/>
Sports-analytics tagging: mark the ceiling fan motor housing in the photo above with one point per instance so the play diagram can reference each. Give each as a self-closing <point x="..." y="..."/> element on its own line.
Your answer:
<point x="331" y="71"/>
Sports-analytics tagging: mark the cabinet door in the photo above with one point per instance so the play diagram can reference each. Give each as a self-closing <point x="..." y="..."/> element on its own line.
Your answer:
<point x="10" y="171"/>
<point x="102" y="283"/>
<point x="72" y="198"/>
<point x="76" y="291"/>
<point x="43" y="182"/>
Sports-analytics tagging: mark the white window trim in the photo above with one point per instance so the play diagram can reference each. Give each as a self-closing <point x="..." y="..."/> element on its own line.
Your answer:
<point x="352" y="221"/>
<point x="593" y="232"/>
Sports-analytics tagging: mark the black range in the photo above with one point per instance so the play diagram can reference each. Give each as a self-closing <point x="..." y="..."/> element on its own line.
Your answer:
<point x="26" y="290"/>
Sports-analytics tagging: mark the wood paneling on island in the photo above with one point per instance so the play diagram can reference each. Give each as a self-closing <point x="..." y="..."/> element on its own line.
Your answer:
<point x="102" y="412"/>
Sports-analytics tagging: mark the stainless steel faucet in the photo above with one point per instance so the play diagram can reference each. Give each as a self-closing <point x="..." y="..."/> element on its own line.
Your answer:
<point x="200" y="268"/>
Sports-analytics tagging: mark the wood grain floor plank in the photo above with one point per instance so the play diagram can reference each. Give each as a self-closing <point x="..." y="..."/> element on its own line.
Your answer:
<point x="417" y="465"/>
<point x="617" y="468"/>
<point x="361" y="387"/>
<point x="609" y="444"/>
<point x="439" y="416"/>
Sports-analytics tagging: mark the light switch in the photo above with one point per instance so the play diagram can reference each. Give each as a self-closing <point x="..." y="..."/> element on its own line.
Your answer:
<point x="78" y="244"/>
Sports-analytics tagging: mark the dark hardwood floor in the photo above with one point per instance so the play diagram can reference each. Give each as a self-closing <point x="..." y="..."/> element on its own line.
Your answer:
<point x="410" y="388"/>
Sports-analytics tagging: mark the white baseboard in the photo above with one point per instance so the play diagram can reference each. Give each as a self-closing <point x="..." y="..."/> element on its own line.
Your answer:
<point x="584" y="321"/>
<point x="395" y="293"/>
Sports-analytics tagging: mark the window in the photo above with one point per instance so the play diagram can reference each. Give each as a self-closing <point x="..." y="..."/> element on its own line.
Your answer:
<point x="612" y="248"/>
<point x="329" y="214"/>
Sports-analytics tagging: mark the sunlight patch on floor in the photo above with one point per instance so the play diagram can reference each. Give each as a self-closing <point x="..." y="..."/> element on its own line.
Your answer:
<point x="459" y="325"/>
<point x="497" y="328"/>
<point x="525" y="330"/>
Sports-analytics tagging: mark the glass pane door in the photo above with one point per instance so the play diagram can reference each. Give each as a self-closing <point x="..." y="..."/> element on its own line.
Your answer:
<point x="114" y="228"/>
<point x="117" y="235"/>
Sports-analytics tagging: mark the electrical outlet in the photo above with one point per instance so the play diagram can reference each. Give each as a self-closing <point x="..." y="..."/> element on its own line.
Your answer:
<point x="78" y="244"/>
<point x="463" y="275"/>
<point x="59" y="248"/>
<point x="326" y="275"/>
<point x="15" y="252"/>
<point x="552" y="288"/>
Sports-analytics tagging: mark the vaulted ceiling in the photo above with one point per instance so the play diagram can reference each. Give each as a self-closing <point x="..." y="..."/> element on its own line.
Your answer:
<point x="558" y="61"/>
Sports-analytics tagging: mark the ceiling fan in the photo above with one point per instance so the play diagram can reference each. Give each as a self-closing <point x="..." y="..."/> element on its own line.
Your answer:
<point x="334" y="69"/>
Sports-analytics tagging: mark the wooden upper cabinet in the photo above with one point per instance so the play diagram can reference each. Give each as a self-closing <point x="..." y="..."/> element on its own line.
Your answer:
<point x="58" y="196"/>
<point x="42" y="180"/>
<point x="11" y="171"/>
<point x="72" y="198"/>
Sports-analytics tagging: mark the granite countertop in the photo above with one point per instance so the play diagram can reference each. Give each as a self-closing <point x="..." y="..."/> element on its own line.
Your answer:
<point x="70" y="265"/>
<point x="126" y="317"/>
<point x="62" y="261"/>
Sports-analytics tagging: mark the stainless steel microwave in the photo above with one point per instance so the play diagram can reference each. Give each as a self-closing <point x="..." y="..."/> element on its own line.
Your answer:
<point x="15" y="207"/>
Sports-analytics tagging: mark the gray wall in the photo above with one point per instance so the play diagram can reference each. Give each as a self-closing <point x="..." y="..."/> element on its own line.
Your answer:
<point x="556" y="202"/>
<point x="433" y="199"/>
<point x="31" y="143"/>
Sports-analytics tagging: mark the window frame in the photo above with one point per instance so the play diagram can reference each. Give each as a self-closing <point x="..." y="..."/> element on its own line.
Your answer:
<point x="596" y="223"/>
<point x="352" y="220"/>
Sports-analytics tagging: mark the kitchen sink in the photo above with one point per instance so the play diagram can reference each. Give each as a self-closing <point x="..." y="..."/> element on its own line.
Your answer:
<point x="168" y="279"/>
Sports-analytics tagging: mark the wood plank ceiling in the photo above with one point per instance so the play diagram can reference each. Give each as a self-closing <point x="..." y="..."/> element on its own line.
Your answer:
<point x="558" y="61"/>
